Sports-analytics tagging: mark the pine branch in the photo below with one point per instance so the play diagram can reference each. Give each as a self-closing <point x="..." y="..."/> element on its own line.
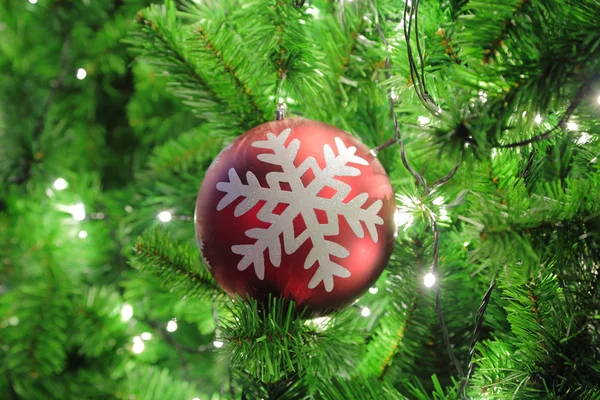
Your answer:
<point x="357" y="389"/>
<point x="63" y="69"/>
<point x="294" y="63"/>
<point x="389" y="339"/>
<point x="476" y="335"/>
<point x="154" y="383"/>
<point x="273" y="341"/>
<point x="35" y="328"/>
<point x="159" y="41"/>
<point x="253" y="113"/>
<point x="98" y="307"/>
<point x="562" y="123"/>
<point x="544" y="352"/>
<point x="176" y="266"/>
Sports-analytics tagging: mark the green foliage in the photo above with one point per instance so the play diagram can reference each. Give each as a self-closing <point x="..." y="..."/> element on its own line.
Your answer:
<point x="547" y="353"/>
<point x="159" y="385"/>
<point x="359" y="389"/>
<point x="274" y="341"/>
<point x="159" y="41"/>
<point x="176" y="266"/>
<point x="35" y="328"/>
<point x="167" y="86"/>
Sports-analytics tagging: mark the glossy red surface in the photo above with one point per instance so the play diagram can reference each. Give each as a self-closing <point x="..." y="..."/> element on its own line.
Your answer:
<point x="218" y="231"/>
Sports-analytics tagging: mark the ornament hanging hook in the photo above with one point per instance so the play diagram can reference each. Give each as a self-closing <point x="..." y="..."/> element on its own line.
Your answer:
<point x="281" y="107"/>
<point x="281" y="111"/>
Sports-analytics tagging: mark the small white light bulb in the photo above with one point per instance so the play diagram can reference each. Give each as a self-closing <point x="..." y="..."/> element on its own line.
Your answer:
<point x="466" y="244"/>
<point x="146" y="336"/>
<point x="423" y="120"/>
<point x="572" y="126"/>
<point x="82" y="234"/>
<point x="438" y="201"/>
<point x="60" y="184"/>
<point x="78" y="212"/>
<point x="81" y="74"/>
<point x="138" y="345"/>
<point x="313" y="11"/>
<point x="598" y="99"/>
<point x="373" y="290"/>
<point x="320" y="322"/>
<point x="196" y="398"/>
<point x="404" y="219"/>
<point x="33" y="1"/>
<point x="218" y="344"/>
<point x="538" y="119"/>
<point x="126" y="312"/>
<point x="365" y="312"/>
<point x="429" y="280"/>
<point x="164" y="216"/>
<point x="584" y="138"/>
<point x="171" y="326"/>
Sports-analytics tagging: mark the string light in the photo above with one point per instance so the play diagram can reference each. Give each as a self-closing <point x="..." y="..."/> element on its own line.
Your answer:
<point x="196" y="398"/>
<point x="423" y="120"/>
<point x="373" y="290"/>
<point x="438" y="201"/>
<point x="99" y="215"/>
<point x="320" y="322"/>
<point x="403" y="216"/>
<point x="81" y="74"/>
<point x="584" y="138"/>
<point x="313" y="11"/>
<point x="466" y="244"/>
<point x="146" y="336"/>
<point x="365" y="312"/>
<point x="77" y="211"/>
<point x="138" y="345"/>
<point x="572" y="126"/>
<point x="598" y="99"/>
<point x="126" y="312"/>
<point x="33" y="1"/>
<point x="218" y="344"/>
<point x="164" y="216"/>
<point x="538" y="119"/>
<point x="82" y="234"/>
<point x="429" y="280"/>
<point x="482" y="96"/>
<point x="60" y="184"/>
<point x="171" y="326"/>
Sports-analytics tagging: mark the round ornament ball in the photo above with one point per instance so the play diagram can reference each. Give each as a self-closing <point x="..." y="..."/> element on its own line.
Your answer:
<point x="296" y="209"/>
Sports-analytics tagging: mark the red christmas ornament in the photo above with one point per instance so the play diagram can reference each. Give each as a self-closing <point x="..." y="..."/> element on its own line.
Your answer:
<point x="298" y="209"/>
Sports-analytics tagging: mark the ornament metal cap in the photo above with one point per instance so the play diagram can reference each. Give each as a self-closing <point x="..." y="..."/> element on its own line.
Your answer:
<point x="281" y="112"/>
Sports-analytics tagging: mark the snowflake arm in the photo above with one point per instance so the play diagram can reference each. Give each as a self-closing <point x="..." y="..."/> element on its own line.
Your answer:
<point x="354" y="214"/>
<point x="321" y="253"/>
<point x="301" y="201"/>
<point x="252" y="193"/>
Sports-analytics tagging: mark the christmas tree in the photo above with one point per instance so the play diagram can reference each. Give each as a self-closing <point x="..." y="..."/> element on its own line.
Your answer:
<point x="483" y="114"/>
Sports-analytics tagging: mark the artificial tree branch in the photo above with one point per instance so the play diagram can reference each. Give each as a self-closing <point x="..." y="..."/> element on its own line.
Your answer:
<point x="418" y="177"/>
<point x="476" y="334"/>
<point x="579" y="96"/>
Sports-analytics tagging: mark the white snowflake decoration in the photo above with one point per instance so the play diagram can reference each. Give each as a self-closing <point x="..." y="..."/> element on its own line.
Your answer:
<point x="301" y="200"/>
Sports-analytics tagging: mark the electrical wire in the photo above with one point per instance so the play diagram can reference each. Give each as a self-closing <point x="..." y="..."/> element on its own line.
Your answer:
<point x="418" y="177"/>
